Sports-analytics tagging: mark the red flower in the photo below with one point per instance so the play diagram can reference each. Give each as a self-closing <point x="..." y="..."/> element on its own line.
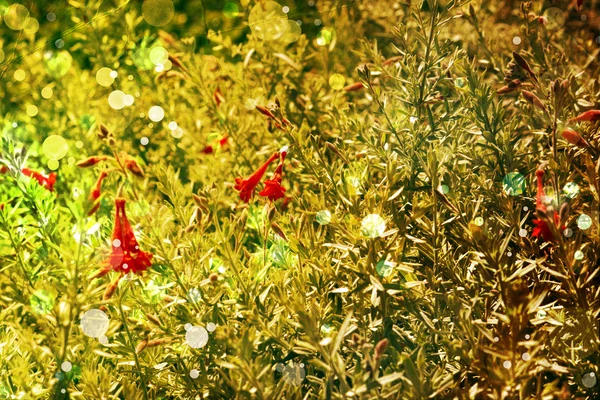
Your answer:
<point x="588" y="116"/>
<point x="46" y="181"/>
<point x="273" y="189"/>
<point x="95" y="194"/>
<point x="246" y="186"/>
<point x="541" y="226"/>
<point x="126" y="255"/>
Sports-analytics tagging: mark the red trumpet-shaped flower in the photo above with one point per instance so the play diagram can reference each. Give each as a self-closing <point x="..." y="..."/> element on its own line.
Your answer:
<point x="273" y="189"/>
<point x="126" y="255"/>
<point x="541" y="226"/>
<point x="246" y="186"/>
<point x="46" y="181"/>
<point x="95" y="193"/>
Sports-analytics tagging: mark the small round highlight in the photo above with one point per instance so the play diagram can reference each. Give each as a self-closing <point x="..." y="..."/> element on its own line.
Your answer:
<point x="156" y="113"/>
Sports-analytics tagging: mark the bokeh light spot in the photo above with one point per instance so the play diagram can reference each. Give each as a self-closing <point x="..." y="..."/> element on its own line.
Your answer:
<point x="19" y="75"/>
<point x="104" y="77"/>
<point x="556" y="18"/>
<point x="231" y="10"/>
<point x="32" y="110"/>
<point x="156" y="113"/>
<point x="116" y="99"/>
<point x="584" y="221"/>
<point x="53" y="164"/>
<point x="94" y="323"/>
<point x="158" y="12"/>
<point x="292" y="33"/>
<point x="384" y="268"/>
<point x="337" y="81"/>
<point x="372" y="226"/>
<point x="66" y="366"/>
<point x="589" y="380"/>
<point x="55" y="147"/>
<point x="158" y="55"/>
<point x="267" y="20"/>
<point x="16" y="16"/>
<point x="513" y="184"/>
<point x="196" y="337"/>
<point x="58" y="64"/>
<point x="323" y="217"/>
<point x="31" y="26"/>
<point x="324" y="37"/>
<point x="571" y="190"/>
<point x="47" y="92"/>
<point x="42" y="302"/>
<point x="522" y="232"/>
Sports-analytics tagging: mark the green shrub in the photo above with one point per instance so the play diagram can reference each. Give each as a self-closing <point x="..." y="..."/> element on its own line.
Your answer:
<point x="411" y="256"/>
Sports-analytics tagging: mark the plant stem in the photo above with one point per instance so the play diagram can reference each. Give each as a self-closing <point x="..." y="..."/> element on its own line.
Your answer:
<point x="137" y="361"/>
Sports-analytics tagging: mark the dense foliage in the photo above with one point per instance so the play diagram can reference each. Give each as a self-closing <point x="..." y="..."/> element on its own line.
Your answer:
<point x="425" y="224"/>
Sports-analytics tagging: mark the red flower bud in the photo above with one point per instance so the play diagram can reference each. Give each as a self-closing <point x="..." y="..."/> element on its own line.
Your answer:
<point x="88" y="162"/>
<point x="177" y="62"/>
<point x="392" y="60"/>
<point x="265" y="111"/>
<point x="588" y="116"/>
<point x="353" y="87"/>
<point x="95" y="193"/>
<point x="574" y="138"/>
<point x="533" y="99"/>
<point x="134" y="167"/>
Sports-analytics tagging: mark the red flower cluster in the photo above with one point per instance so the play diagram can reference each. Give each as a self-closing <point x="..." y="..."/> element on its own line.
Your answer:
<point x="126" y="255"/>
<point x="273" y="189"/>
<point x="46" y="181"/>
<point x="541" y="226"/>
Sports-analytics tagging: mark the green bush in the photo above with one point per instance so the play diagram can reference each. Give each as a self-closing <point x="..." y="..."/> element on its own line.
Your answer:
<point x="418" y="250"/>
